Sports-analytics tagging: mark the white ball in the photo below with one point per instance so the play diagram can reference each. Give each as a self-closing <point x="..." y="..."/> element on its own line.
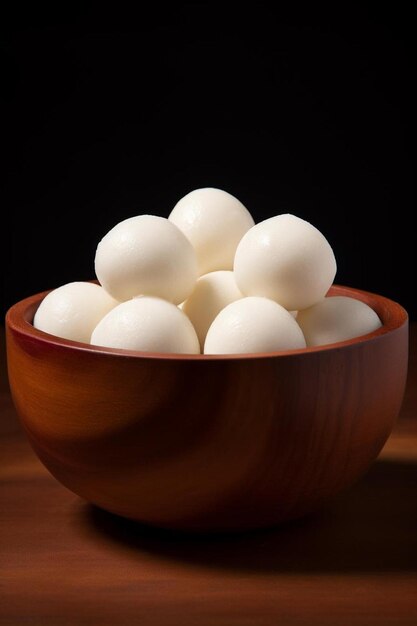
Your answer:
<point x="214" y="221"/>
<point x="253" y="325"/>
<point x="73" y="311"/>
<point x="147" y="324"/>
<point x="146" y="255"/>
<point x="336" y="319"/>
<point x="212" y="293"/>
<point x="286" y="259"/>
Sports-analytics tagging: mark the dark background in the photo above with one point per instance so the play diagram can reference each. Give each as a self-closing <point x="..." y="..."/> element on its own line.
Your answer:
<point x="109" y="115"/>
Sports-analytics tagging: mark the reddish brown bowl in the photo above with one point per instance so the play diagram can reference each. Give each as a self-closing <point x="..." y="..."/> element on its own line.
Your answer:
<point x="208" y="442"/>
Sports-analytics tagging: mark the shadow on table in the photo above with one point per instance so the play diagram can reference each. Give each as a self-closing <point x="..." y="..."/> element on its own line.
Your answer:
<point x="371" y="527"/>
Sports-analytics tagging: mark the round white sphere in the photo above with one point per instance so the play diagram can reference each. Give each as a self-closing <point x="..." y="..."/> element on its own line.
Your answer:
<point x="146" y="255"/>
<point x="73" y="310"/>
<point x="147" y="324"/>
<point x="336" y="319"/>
<point x="286" y="259"/>
<point x="253" y="325"/>
<point x="212" y="293"/>
<point x="214" y="221"/>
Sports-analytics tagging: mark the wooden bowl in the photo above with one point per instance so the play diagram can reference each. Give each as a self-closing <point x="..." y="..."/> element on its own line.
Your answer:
<point x="208" y="443"/>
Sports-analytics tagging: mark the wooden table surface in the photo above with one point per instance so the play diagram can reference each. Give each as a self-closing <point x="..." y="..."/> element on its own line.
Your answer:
<point x="64" y="562"/>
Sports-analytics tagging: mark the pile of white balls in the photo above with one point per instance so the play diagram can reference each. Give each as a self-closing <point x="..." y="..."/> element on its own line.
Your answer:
<point x="207" y="279"/>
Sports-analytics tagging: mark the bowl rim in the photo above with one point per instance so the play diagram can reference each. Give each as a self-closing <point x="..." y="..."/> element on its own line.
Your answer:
<point x="393" y="316"/>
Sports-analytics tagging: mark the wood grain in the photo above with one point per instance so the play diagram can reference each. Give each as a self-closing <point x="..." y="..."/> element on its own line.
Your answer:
<point x="66" y="563"/>
<point x="207" y="443"/>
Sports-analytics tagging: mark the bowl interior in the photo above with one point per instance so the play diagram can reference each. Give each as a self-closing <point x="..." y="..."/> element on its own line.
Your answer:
<point x="392" y="315"/>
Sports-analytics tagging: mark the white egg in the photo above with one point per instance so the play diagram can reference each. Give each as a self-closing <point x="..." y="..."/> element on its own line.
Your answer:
<point x="286" y="259"/>
<point x="146" y="255"/>
<point x="214" y="221"/>
<point x="73" y="310"/>
<point x="253" y="325"/>
<point x="212" y="293"/>
<point x="147" y="324"/>
<point x="336" y="319"/>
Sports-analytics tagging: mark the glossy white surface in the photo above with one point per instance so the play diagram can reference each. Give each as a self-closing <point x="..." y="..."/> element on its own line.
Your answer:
<point x="214" y="221"/>
<point x="253" y="325"/>
<point x="147" y="324"/>
<point x="336" y="319"/>
<point x="286" y="259"/>
<point x="73" y="310"/>
<point x="146" y="255"/>
<point x="212" y="293"/>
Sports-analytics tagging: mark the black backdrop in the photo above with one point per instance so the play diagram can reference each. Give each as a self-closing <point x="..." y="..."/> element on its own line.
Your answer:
<point x="107" y="116"/>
